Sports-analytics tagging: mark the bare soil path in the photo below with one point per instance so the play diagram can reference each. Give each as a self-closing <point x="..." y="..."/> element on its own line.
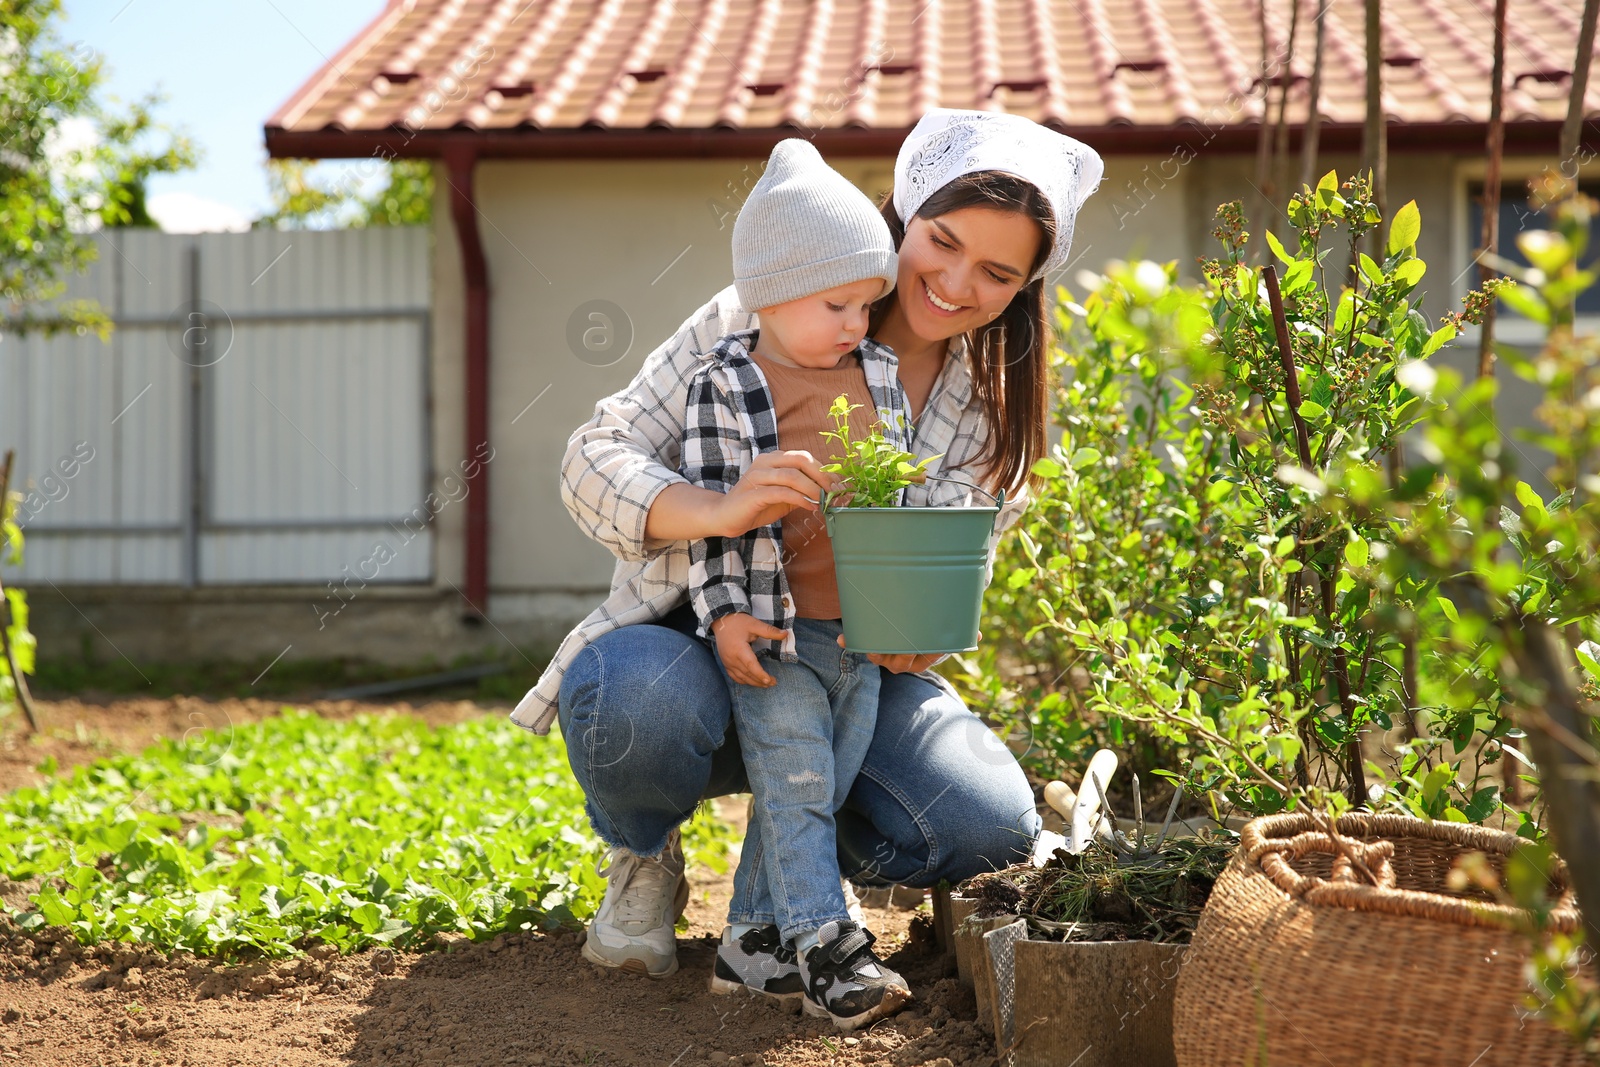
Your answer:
<point x="522" y="999"/>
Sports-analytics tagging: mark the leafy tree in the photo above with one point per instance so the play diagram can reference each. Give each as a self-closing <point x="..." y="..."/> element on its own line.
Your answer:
<point x="408" y="200"/>
<point x="304" y="201"/>
<point x="51" y="194"/>
<point x="127" y="159"/>
<point x="43" y="192"/>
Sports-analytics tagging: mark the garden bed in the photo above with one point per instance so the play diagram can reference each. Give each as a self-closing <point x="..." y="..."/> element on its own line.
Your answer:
<point x="513" y="997"/>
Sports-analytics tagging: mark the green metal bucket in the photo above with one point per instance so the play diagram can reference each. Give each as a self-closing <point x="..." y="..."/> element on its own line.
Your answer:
<point x="911" y="579"/>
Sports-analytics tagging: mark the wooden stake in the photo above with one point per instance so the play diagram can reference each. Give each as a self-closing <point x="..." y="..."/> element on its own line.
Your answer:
<point x="1375" y="136"/>
<point x="1280" y="137"/>
<point x="1355" y="770"/>
<point x="1491" y="185"/>
<point x="1313" y="129"/>
<point x="1572" y="128"/>
<point x="1264" y="133"/>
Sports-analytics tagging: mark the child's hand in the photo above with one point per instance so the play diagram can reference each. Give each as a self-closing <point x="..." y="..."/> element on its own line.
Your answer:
<point x="775" y="484"/>
<point x="734" y="634"/>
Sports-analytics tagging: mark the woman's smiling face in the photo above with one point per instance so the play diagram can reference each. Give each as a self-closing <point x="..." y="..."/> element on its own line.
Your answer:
<point x="960" y="270"/>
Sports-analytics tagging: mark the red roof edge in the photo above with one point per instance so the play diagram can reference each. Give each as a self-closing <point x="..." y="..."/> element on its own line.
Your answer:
<point x="524" y="143"/>
<point x="333" y="69"/>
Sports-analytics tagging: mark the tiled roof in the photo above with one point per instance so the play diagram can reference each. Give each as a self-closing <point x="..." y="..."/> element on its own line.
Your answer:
<point x="535" y="67"/>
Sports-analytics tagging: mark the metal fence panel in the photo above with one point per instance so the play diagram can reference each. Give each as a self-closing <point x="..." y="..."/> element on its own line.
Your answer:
<point x="274" y="430"/>
<point x="318" y="421"/>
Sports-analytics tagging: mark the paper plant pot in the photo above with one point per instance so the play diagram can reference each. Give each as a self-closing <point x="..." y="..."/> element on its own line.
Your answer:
<point x="1094" y="1003"/>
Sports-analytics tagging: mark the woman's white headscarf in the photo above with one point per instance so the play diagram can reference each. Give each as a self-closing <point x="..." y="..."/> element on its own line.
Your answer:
<point x="947" y="143"/>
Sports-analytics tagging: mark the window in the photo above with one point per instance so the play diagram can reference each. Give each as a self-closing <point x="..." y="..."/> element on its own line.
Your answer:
<point x="1517" y="216"/>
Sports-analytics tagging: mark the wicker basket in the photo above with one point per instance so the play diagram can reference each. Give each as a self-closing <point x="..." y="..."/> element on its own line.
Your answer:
<point x="1296" y="961"/>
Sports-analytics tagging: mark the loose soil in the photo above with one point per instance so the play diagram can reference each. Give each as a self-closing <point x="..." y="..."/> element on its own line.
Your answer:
<point x="525" y="998"/>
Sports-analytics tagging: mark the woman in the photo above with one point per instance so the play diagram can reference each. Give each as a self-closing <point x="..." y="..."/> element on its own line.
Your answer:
<point x="982" y="208"/>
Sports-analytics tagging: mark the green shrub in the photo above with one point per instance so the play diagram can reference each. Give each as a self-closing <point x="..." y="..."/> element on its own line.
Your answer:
<point x="1183" y="586"/>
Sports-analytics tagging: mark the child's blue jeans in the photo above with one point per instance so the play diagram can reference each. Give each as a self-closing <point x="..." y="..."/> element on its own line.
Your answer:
<point x="804" y="741"/>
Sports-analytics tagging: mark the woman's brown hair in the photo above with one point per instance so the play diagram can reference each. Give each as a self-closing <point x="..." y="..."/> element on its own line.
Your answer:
<point x="1009" y="357"/>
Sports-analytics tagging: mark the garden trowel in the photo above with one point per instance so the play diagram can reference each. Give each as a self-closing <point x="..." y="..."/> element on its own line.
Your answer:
<point x="1080" y="809"/>
<point x="1086" y="820"/>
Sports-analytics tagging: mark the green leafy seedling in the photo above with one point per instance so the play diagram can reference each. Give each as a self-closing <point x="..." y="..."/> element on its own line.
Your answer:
<point x="874" y="470"/>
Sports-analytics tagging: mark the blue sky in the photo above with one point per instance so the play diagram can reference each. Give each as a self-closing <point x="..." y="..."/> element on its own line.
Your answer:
<point x="225" y="65"/>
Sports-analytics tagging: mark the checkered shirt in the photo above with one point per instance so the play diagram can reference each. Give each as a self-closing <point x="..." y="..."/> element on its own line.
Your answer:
<point x="731" y="420"/>
<point x="630" y="450"/>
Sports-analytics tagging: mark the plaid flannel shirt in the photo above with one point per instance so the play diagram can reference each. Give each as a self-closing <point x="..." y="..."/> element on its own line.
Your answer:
<point x="731" y="419"/>
<point x="628" y="452"/>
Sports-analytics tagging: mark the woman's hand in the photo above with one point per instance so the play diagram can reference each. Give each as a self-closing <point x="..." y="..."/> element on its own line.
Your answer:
<point x="901" y="662"/>
<point x="775" y="484"/>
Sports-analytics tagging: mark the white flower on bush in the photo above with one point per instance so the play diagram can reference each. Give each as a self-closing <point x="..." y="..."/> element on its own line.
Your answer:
<point x="1289" y="474"/>
<point x="1150" y="279"/>
<point x="1417" y="375"/>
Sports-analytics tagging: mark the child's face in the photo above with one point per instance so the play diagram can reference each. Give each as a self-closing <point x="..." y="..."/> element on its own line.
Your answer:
<point x="819" y="330"/>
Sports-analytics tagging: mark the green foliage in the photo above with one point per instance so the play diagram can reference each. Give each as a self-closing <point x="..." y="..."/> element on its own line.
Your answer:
<point x="1501" y="554"/>
<point x="128" y="158"/>
<point x="23" y="643"/>
<point x="1183" y="579"/>
<point x="48" y="192"/>
<point x="302" y="200"/>
<point x="1519" y="574"/>
<point x="43" y="85"/>
<point x="265" y="838"/>
<point x="408" y="198"/>
<point x="873" y="469"/>
<point x="299" y="202"/>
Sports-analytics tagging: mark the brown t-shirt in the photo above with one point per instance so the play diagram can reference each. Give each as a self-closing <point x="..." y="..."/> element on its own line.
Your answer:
<point x="801" y="397"/>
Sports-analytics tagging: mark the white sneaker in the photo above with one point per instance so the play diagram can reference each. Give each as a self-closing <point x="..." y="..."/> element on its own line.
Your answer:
<point x="633" y="930"/>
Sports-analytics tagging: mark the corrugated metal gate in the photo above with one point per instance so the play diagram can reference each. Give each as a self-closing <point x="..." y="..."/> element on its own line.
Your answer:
<point x="260" y="414"/>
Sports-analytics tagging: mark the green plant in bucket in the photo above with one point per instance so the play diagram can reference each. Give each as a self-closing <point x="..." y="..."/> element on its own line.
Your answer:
<point x="872" y="467"/>
<point x="910" y="578"/>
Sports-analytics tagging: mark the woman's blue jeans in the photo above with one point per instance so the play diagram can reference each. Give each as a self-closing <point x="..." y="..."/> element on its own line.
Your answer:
<point x="645" y="713"/>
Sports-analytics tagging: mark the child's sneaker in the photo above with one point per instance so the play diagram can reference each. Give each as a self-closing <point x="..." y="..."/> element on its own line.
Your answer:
<point x="846" y="982"/>
<point x="758" y="963"/>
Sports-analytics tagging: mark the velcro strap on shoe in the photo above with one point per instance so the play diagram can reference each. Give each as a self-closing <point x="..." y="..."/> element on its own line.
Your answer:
<point x="845" y="947"/>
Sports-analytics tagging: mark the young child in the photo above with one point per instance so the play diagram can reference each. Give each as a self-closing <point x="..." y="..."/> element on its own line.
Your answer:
<point x="811" y="254"/>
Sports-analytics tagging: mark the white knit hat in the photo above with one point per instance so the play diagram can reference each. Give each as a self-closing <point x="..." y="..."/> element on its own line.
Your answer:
<point x="805" y="229"/>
